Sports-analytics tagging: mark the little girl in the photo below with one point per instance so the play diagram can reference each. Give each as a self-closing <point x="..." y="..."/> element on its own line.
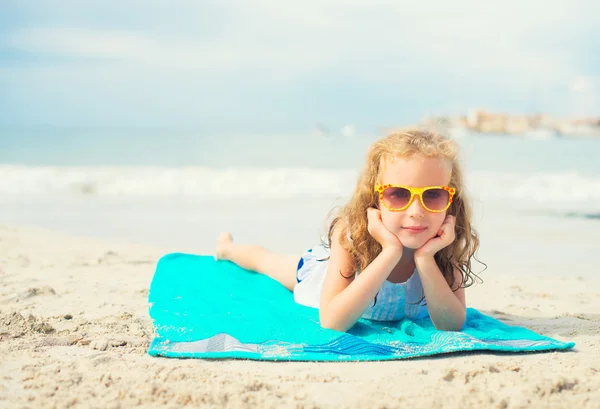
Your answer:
<point x="400" y="248"/>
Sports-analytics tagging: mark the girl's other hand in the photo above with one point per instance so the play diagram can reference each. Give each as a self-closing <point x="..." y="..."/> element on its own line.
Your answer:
<point x="446" y="235"/>
<point x="377" y="229"/>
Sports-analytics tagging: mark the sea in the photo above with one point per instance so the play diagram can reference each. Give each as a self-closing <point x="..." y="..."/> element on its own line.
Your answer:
<point x="536" y="201"/>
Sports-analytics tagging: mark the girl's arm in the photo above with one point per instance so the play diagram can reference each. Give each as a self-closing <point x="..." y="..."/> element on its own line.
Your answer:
<point x="447" y="308"/>
<point x="344" y="300"/>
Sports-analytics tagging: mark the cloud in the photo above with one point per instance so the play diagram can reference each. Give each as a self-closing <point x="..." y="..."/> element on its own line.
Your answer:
<point x="582" y="84"/>
<point x="368" y="42"/>
<point x="248" y="54"/>
<point x="79" y="42"/>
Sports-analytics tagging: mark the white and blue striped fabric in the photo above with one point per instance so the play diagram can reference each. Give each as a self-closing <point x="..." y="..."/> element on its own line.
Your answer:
<point x="395" y="301"/>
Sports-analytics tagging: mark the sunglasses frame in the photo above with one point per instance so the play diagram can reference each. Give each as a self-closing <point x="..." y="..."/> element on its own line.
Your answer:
<point x="415" y="191"/>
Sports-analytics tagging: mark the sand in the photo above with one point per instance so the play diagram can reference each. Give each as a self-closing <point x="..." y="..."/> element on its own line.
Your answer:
<point x="74" y="332"/>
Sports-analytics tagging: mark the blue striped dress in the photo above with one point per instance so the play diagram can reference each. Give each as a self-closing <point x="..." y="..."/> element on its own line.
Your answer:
<point x="395" y="301"/>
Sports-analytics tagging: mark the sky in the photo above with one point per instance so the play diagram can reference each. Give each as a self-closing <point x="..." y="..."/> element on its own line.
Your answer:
<point x="283" y="67"/>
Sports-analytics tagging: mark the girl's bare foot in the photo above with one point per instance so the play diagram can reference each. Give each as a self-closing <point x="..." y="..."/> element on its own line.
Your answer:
<point x="223" y="242"/>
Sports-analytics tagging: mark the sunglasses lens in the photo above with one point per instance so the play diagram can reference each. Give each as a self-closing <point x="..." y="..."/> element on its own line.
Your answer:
<point x="396" y="197"/>
<point x="436" y="199"/>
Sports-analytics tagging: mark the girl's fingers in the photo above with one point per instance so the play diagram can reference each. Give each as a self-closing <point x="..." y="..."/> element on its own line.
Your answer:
<point x="448" y="232"/>
<point x="373" y="214"/>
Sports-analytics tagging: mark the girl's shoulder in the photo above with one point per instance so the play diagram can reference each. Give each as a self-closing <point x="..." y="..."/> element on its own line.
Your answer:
<point x="342" y="229"/>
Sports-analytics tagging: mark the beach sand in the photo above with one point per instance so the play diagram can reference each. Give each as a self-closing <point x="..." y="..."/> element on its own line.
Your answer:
<point x="74" y="331"/>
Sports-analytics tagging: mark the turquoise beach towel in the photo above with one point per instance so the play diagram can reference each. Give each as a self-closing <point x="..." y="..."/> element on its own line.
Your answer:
<point x="202" y="308"/>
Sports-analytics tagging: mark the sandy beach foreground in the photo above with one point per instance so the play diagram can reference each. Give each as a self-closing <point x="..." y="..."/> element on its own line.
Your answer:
<point x="74" y="331"/>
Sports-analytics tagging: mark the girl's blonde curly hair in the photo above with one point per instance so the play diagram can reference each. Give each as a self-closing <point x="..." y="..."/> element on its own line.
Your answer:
<point x="352" y="217"/>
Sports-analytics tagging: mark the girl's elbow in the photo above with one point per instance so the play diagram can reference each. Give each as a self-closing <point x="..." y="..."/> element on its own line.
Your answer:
<point x="332" y="326"/>
<point x="328" y="322"/>
<point x="451" y="325"/>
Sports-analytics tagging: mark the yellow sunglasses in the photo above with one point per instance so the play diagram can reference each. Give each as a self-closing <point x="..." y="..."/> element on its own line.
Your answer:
<point x="397" y="198"/>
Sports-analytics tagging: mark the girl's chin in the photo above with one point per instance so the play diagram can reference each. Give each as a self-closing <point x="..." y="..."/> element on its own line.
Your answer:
<point x="412" y="246"/>
<point x="413" y="243"/>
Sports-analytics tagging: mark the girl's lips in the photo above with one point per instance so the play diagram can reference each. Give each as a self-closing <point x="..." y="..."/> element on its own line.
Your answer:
<point x="415" y="229"/>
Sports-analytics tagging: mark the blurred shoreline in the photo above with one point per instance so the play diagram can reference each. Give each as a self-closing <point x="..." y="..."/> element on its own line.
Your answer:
<point x="540" y="125"/>
<point x="515" y="240"/>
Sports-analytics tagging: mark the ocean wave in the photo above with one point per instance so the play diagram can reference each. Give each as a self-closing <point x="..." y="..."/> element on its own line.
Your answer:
<point x="213" y="183"/>
<point x="544" y="188"/>
<point x="188" y="181"/>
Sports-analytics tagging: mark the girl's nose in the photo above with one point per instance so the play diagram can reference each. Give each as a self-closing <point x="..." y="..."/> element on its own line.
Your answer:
<point x="416" y="209"/>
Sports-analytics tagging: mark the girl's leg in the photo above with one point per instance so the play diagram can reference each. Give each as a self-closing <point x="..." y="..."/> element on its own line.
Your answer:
<point x="280" y="267"/>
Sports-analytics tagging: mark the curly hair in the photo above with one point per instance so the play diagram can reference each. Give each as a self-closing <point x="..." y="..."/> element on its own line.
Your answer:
<point x="352" y="217"/>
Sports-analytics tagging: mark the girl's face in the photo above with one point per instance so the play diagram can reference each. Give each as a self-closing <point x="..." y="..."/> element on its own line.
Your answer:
<point x="415" y="225"/>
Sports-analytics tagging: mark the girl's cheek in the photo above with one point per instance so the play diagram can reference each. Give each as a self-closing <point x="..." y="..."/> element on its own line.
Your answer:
<point x="385" y="218"/>
<point x="391" y="221"/>
<point x="437" y="223"/>
<point x="431" y="235"/>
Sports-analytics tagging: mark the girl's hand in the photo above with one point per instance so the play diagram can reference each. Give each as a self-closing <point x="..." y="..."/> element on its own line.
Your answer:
<point x="376" y="228"/>
<point x="446" y="235"/>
